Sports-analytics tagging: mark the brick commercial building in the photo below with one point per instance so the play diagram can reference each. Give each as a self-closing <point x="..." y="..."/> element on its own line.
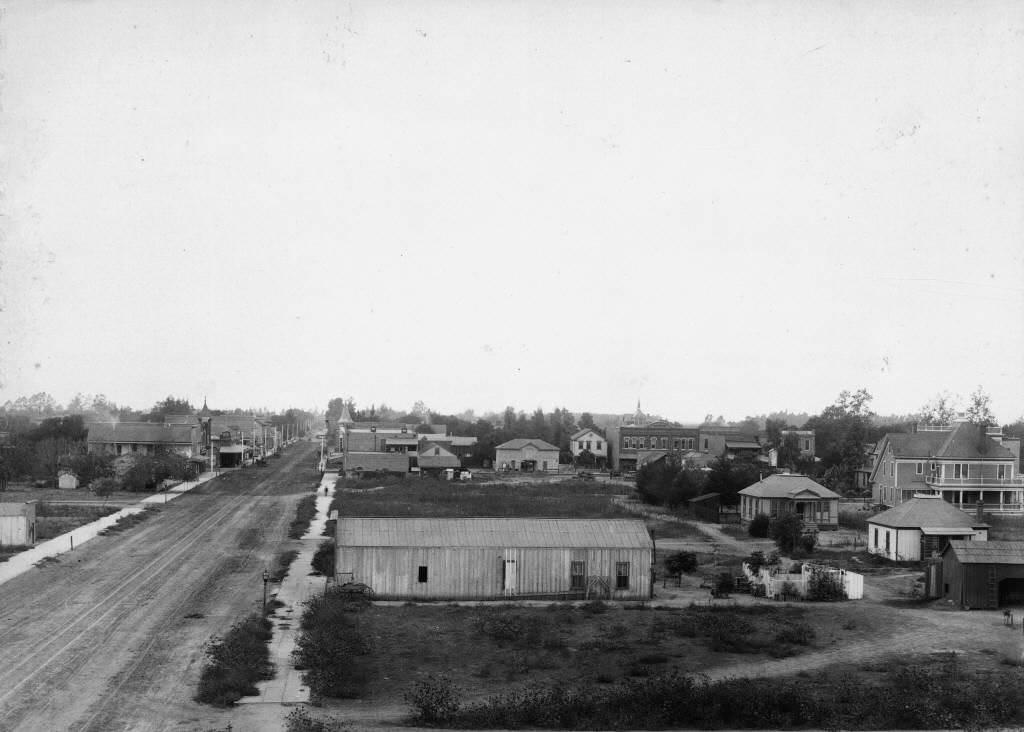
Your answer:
<point x="628" y="444"/>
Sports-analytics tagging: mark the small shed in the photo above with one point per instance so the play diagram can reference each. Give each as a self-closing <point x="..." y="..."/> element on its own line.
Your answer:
<point x="983" y="574"/>
<point x="919" y="527"/>
<point x="526" y="456"/>
<point x="496" y="558"/>
<point x="708" y="507"/>
<point x="67" y="480"/>
<point x="18" y="524"/>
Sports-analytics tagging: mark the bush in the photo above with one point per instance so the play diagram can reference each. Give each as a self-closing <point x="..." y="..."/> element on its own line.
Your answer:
<point x="824" y="586"/>
<point x="330" y="644"/>
<point x="808" y="542"/>
<point x="758" y="527"/>
<point x="676" y="564"/>
<point x="787" y="532"/>
<point x="304" y="514"/>
<point x="434" y="700"/>
<point x="236" y="662"/>
<point x="323" y="559"/>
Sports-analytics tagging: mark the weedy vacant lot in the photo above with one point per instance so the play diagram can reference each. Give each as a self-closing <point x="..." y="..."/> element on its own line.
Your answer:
<point x="54" y="519"/>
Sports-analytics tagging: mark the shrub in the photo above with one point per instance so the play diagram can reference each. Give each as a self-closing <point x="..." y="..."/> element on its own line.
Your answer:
<point x="808" y="542"/>
<point x="434" y="700"/>
<point x="680" y="562"/>
<point x="758" y="527"/>
<point x="236" y="662"/>
<point x="323" y="559"/>
<point x="824" y="586"/>
<point x="330" y="644"/>
<point x="787" y="531"/>
<point x="304" y="514"/>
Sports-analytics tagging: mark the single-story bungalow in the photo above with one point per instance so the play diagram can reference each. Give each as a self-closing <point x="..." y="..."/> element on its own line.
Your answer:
<point x="496" y="558"/>
<point x="920" y="527"/>
<point x="709" y="507"/>
<point x="526" y="456"/>
<point x="791" y="493"/>
<point x="18" y="524"/>
<point x="982" y="574"/>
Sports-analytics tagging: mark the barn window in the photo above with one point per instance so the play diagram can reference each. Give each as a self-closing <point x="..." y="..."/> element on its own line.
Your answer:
<point x="622" y="575"/>
<point x="422" y="575"/>
<point x="577" y="575"/>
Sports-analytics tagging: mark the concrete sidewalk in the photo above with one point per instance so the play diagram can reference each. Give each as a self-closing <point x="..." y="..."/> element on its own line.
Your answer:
<point x="298" y="586"/>
<point x="21" y="563"/>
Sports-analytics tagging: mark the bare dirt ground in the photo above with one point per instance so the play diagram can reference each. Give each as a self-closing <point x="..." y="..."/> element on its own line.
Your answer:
<point x="111" y="637"/>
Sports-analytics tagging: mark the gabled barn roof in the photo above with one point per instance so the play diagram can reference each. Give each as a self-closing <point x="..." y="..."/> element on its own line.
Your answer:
<point x="493" y="532"/>
<point x="987" y="552"/>
<point x="520" y="442"/>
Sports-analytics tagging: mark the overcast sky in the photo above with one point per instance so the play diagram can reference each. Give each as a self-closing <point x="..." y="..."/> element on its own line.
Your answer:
<point x="711" y="207"/>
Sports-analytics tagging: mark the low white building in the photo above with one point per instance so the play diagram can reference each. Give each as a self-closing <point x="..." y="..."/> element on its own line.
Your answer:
<point x="920" y="527"/>
<point x="526" y="456"/>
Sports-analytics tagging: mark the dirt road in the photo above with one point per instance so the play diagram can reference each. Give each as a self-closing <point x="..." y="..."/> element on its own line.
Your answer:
<point x="111" y="636"/>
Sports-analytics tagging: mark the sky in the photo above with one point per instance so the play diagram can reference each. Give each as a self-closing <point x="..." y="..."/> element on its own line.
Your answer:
<point x="710" y="207"/>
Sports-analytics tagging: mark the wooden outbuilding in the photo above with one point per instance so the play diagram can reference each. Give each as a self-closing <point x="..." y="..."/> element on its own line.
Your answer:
<point x="920" y="527"/>
<point x="496" y="558"/>
<point x="983" y="574"/>
<point x="18" y="524"/>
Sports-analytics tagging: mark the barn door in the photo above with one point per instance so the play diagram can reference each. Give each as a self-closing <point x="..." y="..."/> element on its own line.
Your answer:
<point x="509" y="572"/>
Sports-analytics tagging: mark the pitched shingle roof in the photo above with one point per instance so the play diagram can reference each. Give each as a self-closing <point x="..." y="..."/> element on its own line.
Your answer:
<point x="963" y="441"/>
<point x="519" y="443"/>
<point x="787" y="486"/>
<point x="987" y="552"/>
<point x="493" y="532"/>
<point x="929" y="511"/>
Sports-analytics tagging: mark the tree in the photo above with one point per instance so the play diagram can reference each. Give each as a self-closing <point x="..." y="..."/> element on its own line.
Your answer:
<point x="586" y="459"/>
<point x="940" y="409"/>
<point x="979" y="411"/>
<point x="587" y="421"/>
<point x="840" y="433"/>
<point x="774" y="429"/>
<point x="789" y="451"/>
<point x="787" y="531"/>
<point x="759" y="526"/>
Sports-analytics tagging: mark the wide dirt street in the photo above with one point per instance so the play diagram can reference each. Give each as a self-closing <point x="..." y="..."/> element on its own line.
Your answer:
<point x="111" y="636"/>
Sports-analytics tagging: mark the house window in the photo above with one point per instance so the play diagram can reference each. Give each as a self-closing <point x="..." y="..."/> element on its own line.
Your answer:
<point x="581" y="444"/>
<point x="622" y="575"/>
<point x="588" y="444"/>
<point x="876" y="538"/>
<point x="1001" y="472"/>
<point x="705" y="443"/>
<point x="598" y="444"/>
<point x="577" y="575"/>
<point x="675" y="444"/>
<point x="643" y="443"/>
<point x="664" y="443"/>
<point x="886" y="542"/>
<point x="689" y="444"/>
<point x="807" y="445"/>
<point x="920" y="468"/>
<point x="960" y="470"/>
<point x="421" y="576"/>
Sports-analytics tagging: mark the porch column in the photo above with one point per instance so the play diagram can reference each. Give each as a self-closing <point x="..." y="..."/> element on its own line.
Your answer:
<point x="961" y="499"/>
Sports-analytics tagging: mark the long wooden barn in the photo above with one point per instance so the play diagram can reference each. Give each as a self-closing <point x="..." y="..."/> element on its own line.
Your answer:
<point x="496" y="558"/>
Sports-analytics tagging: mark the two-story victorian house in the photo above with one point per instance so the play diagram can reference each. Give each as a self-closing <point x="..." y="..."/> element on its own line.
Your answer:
<point x="964" y="463"/>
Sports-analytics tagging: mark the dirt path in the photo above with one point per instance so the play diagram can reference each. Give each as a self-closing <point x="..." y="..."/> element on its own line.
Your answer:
<point x="714" y="534"/>
<point x="111" y="636"/>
